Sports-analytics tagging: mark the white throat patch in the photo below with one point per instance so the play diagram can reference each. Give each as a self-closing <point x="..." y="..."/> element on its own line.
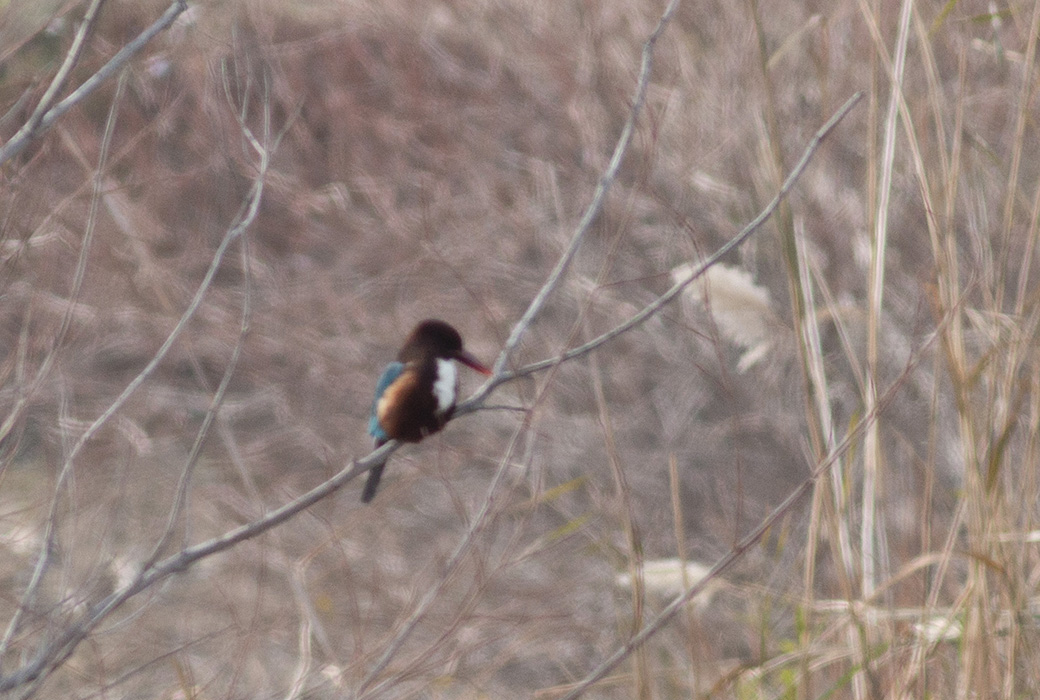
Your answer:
<point x="445" y="386"/>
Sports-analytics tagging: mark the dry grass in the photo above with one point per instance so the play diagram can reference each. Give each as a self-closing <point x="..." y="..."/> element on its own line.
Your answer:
<point x="434" y="160"/>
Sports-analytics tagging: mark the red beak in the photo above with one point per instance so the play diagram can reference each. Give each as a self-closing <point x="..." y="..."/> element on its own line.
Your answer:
<point x="471" y="362"/>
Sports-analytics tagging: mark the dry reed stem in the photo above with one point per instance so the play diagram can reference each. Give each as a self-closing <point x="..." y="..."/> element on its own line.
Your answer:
<point x="955" y="510"/>
<point x="741" y="548"/>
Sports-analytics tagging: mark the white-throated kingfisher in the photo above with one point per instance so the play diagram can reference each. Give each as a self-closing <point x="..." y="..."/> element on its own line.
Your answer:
<point x="415" y="396"/>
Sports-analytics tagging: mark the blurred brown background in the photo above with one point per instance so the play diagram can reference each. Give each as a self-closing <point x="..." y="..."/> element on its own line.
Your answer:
<point x="435" y="159"/>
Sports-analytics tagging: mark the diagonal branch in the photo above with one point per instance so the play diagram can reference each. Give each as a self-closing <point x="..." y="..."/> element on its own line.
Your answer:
<point x="62" y="646"/>
<point x="599" y="197"/>
<point x="62" y="76"/>
<point x="45" y="115"/>
<point x="476" y="401"/>
<point x="750" y="540"/>
<point x="184" y="559"/>
<point x="58" y="649"/>
<point x="248" y="213"/>
<point x="43" y="561"/>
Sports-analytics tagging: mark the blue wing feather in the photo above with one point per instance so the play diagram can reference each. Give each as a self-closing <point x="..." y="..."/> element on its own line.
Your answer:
<point x="391" y="373"/>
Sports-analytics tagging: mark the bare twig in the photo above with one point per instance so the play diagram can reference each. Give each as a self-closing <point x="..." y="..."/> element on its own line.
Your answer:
<point x="476" y="401"/>
<point x="61" y="647"/>
<point x="749" y="540"/>
<point x="45" y="115"/>
<point x="154" y="571"/>
<point x="163" y="569"/>
<point x="43" y="560"/>
<point x="519" y="329"/>
<point x="479" y="521"/>
<point x="599" y="197"/>
<point x="58" y="649"/>
<point x="43" y="118"/>
<point x="250" y="209"/>
<point x="499" y="375"/>
<point x="62" y="76"/>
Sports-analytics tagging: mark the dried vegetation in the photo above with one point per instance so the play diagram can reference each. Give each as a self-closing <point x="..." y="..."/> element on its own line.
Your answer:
<point x="433" y="161"/>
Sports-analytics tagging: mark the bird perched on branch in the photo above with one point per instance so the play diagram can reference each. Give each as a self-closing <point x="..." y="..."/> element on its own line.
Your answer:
<point x="415" y="396"/>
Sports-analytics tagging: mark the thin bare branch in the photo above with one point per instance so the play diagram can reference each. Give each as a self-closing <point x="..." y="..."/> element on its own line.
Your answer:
<point x="499" y="375"/>
<point x="476" y="401"/>
<point x="599" y="197"/>
<point x="62" y="76"/>
<point x="479" y="521"/>
<point x="43" y="120"/>
<point x="184" y="559"/>
<point x="46" y="548"/>
<point x="749" y="540"/>
<point x="251" y="209"/>
<point x="57" y="650"/>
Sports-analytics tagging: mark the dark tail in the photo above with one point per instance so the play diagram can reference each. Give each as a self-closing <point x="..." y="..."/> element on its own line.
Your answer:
<point x="372" y="484"/>
<point x="374" y="475"/>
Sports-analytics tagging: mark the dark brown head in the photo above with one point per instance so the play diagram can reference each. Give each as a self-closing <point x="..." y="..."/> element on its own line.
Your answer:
<point x="433" y="339"/>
